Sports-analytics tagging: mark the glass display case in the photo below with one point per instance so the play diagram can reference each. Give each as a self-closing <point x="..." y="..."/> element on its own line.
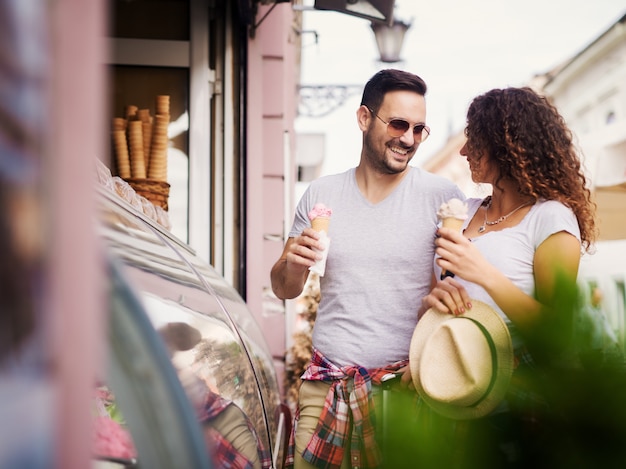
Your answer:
<point x="186" y="356"/>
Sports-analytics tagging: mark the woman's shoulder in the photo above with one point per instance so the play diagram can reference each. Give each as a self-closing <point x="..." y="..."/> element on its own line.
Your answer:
<point x="552" y="208"/>
<point x="551" y="216"/>
<point x="474" y="202"/>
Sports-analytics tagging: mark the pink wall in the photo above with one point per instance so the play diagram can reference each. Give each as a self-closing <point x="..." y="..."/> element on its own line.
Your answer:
<point x="272" y="75"/>
<point x="75" y="304"/>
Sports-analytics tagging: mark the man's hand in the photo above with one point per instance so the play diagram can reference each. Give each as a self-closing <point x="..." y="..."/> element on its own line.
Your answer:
<point x="290" y="272"/>
<point x="303" y="250"/>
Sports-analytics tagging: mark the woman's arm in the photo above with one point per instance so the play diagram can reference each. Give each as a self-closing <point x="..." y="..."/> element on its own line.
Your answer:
<point x="559" y="254"/>
<point x="556" y="257"/>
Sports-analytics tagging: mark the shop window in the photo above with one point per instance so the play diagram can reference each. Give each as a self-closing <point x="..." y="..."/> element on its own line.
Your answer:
<point x="139" y="86"/>
<point x="146" y="63"/>
<point x="610" y="117"/>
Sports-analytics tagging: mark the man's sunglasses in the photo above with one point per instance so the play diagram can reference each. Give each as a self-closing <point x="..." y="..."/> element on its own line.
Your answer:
<point x="398" y="127"/>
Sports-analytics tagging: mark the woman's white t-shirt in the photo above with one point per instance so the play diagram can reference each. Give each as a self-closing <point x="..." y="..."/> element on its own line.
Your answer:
<point x="512" y="250"/>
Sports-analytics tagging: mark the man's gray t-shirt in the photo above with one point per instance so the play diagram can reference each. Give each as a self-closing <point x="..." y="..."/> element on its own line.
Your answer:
<point x="379" y="266"/>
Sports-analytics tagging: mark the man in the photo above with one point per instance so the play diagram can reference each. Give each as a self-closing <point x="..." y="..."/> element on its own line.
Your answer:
<point x="379" y="266"/>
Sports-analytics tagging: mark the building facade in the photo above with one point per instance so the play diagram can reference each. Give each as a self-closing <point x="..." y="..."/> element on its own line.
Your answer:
<point x="231" y="70"/>
<point x="590" y="92"/>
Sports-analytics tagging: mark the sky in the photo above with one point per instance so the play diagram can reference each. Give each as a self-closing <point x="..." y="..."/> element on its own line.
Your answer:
<point x="461" y="48"/>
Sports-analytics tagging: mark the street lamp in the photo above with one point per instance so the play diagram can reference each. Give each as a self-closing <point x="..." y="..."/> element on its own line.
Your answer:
<point x="389" y="31"/>
<point x="389" y="39"/>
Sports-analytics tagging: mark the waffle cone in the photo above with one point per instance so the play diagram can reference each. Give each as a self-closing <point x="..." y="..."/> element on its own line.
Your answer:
<point x="320" y="224"/>
<point x="452" y="223"/>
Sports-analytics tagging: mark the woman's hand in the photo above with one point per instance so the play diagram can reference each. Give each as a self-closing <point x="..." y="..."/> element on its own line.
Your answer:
<point x="460" y="256"/>
<point x="457" y="254"/>
<point x="448" y="296"/>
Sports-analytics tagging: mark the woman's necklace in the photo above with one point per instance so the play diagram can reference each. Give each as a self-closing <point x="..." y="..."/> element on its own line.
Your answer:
<point x="483" y="227"/>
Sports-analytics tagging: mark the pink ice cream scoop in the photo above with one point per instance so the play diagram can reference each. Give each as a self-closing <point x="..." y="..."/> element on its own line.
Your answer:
<point x="320" y="217"/>
<point x="320" y="210"/>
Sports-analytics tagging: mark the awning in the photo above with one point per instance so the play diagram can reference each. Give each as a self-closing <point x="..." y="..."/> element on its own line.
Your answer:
<point x="380" y="11"/>
<point x="611" y="211"/>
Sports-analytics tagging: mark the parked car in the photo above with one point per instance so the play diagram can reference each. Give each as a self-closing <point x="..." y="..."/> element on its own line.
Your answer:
<point x="190" y="379"/>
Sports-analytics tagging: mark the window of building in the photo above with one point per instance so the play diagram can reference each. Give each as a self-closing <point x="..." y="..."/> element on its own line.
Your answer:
<point x="610" y="117"/>
<point x="150" y="58"/>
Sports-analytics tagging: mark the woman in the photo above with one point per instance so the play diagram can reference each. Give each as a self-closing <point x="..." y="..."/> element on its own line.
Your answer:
<point x="530" y="231"/>
<point x="519" y="242"/>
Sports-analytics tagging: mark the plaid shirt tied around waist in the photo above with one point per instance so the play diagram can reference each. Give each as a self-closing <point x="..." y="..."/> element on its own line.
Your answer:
<point x="349" y="401"/>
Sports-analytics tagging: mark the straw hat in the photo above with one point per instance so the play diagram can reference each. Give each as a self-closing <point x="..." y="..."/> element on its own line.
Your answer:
<point x="461" y="365"/>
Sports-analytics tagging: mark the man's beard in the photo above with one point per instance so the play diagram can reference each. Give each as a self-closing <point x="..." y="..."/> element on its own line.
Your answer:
<point x="379" y="160"/>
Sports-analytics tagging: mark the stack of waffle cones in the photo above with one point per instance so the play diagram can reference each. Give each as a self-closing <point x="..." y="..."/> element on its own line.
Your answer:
<point x="140" y="144"/>
<point x="158" y="152"/>
<point x="140" y="141"/>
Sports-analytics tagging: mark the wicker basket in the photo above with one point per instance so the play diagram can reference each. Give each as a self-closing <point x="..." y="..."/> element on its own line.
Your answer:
<point x="156" y="192"/>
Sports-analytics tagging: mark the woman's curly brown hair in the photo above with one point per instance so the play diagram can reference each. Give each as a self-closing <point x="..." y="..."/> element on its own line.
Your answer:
<point x="526" y="137"/>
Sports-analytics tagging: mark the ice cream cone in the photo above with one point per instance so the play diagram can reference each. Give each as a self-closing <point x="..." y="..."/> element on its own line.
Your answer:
<point x="320" y="221"/>
<point x="452" y="223"/>
<point x="320" y="224"/>
<point x="452" y="214"/>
